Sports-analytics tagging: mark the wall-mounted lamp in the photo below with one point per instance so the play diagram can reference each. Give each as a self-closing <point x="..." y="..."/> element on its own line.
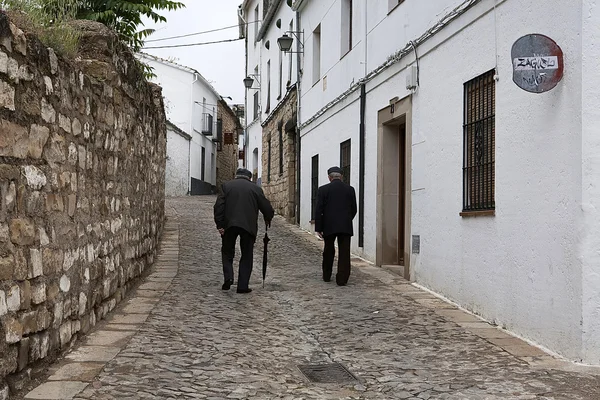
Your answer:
<point x="249" y="81"/>
<point x="285" y="42"/>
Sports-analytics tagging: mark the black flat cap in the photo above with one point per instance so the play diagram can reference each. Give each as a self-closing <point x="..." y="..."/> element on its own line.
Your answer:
<point x="335" y="170"/>
<point x="243" y="172"/>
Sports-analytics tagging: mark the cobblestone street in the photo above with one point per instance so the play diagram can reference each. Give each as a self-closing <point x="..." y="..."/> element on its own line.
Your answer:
<point x="398" y="341"/>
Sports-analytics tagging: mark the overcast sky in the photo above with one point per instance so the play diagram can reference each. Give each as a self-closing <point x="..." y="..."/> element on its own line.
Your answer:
<point x="222" y="64"/>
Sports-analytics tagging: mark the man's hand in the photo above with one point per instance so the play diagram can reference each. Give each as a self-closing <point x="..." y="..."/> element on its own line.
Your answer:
<point x="268" y="223"/>
<point x="221" y="231"/>
<point x="320" y="235"/>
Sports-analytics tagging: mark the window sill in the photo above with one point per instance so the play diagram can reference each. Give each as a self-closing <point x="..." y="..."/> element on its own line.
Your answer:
<point x="393" y="8"/>
<point x="345" y="54"/>
<point x="483" y="213"/>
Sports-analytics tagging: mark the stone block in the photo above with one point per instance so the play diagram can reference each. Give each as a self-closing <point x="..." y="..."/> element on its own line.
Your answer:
<point x="65" y="283"/>
<point x="19" y="40"/>
<point x="13" y="140"/>
<point x="76" y="127"/>
<point x="3" y="306"/>
<point x="58" y="314"/>
<point x="11" y="196"/>
<point x="72" y="202"/>
<point x="38" y="292"/>
<point x="38" y="346"/>
<point x="52" y="291"/>
<point x="4" y="393"/>
<point x="8" y="361"/>
<point x="21" y="268"/>
<point x="54" y="202"/>
<point x="65" y="334"/>
<point x="28" y="322"/>
<point x="43" y="237"/>
<point x="44" y="319"/>
<point x="38" y="136"/>
<point x="22" y="231"/>
<point x="7" y="96"/>
<point x="23" y="354"/>
<point x="64" y="123"/>
<point x="3" y="62"/>
<point x="13" y="330"/>
<point x="7" y="265"/>
<point x="25" y="73"/>
<point x="25" y="288"/>
<point x="36" y="179"/>
<point x="48" y="113"/>
<point x="49" y="85"/>
<point x="13" y="298"/>
<point x="37" y="268"/>
<point x="13" y="70"/>
<point x="53" y="61"/>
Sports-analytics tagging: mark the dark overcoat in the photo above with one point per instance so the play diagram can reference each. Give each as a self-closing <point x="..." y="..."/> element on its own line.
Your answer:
<point x="238" y="205"/>
<point x="336" y="208"/>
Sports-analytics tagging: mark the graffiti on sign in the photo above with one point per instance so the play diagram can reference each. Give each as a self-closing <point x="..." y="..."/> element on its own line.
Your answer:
<point x="538" y="63"/>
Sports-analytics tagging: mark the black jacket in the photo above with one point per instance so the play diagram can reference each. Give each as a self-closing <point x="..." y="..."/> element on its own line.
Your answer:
<point x="238" y="205"/>
<point x="336" y="208"/>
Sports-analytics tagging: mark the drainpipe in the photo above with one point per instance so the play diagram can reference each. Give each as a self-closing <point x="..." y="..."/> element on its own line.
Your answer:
<point x="298" y="119"/>
<point x="245" y="146"/>
<point x="361" y="140"/>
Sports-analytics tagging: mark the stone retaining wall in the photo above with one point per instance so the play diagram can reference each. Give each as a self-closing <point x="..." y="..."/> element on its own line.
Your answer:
<point x="82" y="160"/>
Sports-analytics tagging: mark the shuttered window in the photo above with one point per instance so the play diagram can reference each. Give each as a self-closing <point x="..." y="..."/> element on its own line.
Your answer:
<point x="479" y="141"/>
<point x="345" y="160"/>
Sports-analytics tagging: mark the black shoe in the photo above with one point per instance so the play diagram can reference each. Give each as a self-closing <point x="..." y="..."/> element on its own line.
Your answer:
<point x="326" y="279"/>
<point x="248" y="290"/>
<point x="226" y="285"/>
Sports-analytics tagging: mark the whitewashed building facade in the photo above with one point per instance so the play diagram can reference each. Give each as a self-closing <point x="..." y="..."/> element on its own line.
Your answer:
<point x="191" y="106"/>
<point x="484" y="192"/>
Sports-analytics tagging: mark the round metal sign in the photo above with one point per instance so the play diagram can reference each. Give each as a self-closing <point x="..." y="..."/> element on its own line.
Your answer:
<point x="538" y="63"/>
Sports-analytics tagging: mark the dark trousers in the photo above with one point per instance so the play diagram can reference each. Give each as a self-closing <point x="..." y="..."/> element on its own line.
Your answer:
<point x="228" y="251"/>
<point x="343" y="271"/>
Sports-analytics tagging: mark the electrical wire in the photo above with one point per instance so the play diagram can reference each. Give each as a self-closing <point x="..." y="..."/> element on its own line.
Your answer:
<point x="396" y="57"/>
<point x="193" y="44"/>
<point x="200" y="33"/>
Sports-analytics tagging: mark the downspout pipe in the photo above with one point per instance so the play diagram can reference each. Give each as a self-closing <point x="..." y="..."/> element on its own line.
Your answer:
<point x="298" y="118"/>
<point x="361" y="167"/>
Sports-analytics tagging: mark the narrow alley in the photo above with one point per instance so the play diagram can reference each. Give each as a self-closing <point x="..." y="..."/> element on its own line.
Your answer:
<point x="200" y="342"/>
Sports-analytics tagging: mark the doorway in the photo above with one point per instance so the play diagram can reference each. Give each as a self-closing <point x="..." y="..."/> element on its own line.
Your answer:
<point x="393" y="186"/>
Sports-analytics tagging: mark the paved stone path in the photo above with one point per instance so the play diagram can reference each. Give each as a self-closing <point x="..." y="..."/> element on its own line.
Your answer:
<point x="181" y="337"/>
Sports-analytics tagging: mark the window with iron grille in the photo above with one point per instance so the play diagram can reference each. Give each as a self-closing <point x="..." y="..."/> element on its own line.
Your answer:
<point x="256" y="94"/>
<point x="281" y="149"/>
<point x="479" y="141"/>
<point x="269" y="161"/>
<point x="314" y="179"/>
<point x="203" y="164"/>
<point x="345" y="160"/>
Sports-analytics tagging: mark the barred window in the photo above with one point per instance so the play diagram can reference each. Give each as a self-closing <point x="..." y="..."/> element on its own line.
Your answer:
<point x="479" y="141"/>
<point x="314" y="181"/>
<point x="345" y="160"/>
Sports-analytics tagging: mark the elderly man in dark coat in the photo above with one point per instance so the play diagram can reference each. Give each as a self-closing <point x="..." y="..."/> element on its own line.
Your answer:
<point x="335" y="210"/>
<point x="236" y="214"/>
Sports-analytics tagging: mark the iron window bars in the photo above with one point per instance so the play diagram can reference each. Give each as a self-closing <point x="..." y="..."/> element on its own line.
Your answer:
<point x="479" y="140"/>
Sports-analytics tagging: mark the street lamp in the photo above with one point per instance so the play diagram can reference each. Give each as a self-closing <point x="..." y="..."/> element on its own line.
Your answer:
<point x="248" y="81"/>
<point x="285" y="43"/>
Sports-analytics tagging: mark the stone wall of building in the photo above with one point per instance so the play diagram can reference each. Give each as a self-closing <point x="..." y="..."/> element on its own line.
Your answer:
<point x="227" y="157"/>
<point x="279" y="175"/>
<point x="82" y="163"/>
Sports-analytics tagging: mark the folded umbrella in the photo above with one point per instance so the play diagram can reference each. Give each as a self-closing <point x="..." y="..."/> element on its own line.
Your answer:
<point x="264" y="265"/>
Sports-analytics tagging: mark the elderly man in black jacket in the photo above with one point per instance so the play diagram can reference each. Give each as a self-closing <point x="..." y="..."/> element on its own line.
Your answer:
<point x="236" y="214"/>
<point x="336" y="208"/>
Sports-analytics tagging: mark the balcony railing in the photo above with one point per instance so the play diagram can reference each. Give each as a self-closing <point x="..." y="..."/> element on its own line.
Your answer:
<point x="207" y="124"/>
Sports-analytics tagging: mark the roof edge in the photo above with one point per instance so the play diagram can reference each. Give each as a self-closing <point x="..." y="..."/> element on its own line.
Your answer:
<point x="268" y="20"/>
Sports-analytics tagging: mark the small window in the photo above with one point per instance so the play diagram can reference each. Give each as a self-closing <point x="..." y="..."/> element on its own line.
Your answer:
<point x="316" y="70"/>
<point x="280" y="89"/>
<point x="345" y="160"/>
<point x="346" y="26"/>
<point x="203" y="163"/>
<point x="256" y="28"/>
<point x="479" y="141"/>
<point x="256" y="106"/>
<point x="280" y="149"/>
<point x="269" y="160"/>
<point x="290" y="59"/>
<point x="314" y="179"/>
<point x="268" y="107"/>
